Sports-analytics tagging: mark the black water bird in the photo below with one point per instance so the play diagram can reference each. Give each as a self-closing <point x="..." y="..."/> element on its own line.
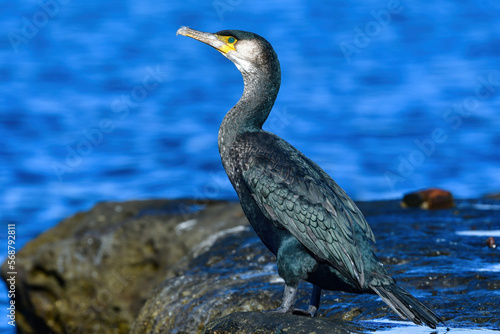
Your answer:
<point x="299" y="212"/>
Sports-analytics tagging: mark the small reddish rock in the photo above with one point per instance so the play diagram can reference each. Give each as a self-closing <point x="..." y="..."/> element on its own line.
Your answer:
<point x="429" y="199"/>
<point x="490" y="242"/>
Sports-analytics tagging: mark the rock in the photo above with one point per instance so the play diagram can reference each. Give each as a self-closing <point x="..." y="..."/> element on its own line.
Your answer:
<point x="447" y="272"/>
<point x="180" y="267"/>
<point x="237" y="273"/>
<point x="429" y="199"/>
<point x="258" y="322"/>
<point x="94" y="271"/>
<point x="492" y="196"/>
<point x="490" y="242"/>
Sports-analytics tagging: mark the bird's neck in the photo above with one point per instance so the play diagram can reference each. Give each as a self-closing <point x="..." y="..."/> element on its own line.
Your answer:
<point x="253" y="108"/>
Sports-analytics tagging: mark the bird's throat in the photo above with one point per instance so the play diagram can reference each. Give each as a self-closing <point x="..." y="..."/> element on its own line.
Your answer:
<point x="252" y="110"/>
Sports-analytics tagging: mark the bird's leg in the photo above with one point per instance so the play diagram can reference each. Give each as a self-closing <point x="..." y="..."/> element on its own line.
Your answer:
<point x="315" y="298"/>
<point x="294" y="264"/>
<point x="289" y="297"/>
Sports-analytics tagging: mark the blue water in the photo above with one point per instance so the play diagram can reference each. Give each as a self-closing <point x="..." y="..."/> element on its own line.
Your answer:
<point x="102" y="102"/>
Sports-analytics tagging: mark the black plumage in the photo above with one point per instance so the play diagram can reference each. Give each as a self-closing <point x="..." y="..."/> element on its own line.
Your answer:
<point x="316" y="231"/>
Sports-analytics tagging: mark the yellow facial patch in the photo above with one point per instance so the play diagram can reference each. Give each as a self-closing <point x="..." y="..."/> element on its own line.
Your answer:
<point x="229" y="42"/>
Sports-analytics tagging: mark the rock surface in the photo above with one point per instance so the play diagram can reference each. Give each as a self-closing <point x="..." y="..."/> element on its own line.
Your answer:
<point x="258" y="322"/>
<point x="429" y="199"/>
<point x="197" y="265"/>
<point x="94" y="271"/>
<point x="453" y="274"/>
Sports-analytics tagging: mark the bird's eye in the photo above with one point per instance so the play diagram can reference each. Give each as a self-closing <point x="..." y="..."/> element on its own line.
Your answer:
<point x="231" y="40"/>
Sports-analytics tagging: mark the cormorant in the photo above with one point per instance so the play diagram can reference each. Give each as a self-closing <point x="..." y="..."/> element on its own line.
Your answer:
<point x="299" y="212"/>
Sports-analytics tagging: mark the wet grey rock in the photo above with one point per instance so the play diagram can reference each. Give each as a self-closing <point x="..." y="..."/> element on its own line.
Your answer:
<point x="258" y="322"/>
<point x="93" y="271"/>
<point x="450" y="273"/>
<point x="182" y="267"/>
<point x="235" y="274"/>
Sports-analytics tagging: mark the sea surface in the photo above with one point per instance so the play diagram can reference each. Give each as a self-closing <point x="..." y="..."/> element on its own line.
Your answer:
<point x="100" y="101"/>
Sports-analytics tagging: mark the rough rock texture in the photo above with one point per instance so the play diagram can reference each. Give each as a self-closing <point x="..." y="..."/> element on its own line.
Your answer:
<point x="235" y="274"/>
<point x="93" y="271"/>
<point x="258" y="322"/>
<point x="451" y="273"/>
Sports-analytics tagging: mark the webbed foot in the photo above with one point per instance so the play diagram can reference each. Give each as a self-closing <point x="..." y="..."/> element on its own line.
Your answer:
<point x="302" y="313"/>
<point x="312" y="310"/>
<point x="280" y="309"/>
<point x="291" y="310"/>
<point x="289" y="299"/>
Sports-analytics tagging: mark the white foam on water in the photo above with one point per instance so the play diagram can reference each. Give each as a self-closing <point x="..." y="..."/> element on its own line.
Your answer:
<point x="480" y="233"/>
<point x="411" y="328"/>
<point x="481" y="206"/>
<point x="491" y="268"/>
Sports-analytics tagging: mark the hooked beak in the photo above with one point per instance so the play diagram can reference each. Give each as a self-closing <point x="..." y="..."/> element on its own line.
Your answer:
<point x="207" y="38"/>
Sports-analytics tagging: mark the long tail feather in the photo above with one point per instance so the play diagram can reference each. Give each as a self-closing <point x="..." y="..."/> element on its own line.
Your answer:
<point x="407" y="306"/>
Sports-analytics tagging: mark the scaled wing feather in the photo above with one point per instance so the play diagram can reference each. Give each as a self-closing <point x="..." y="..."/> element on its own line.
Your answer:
<point x="311" y="206"/>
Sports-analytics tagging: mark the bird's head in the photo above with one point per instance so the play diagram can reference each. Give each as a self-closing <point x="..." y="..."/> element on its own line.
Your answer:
<point x="248" y="51"/>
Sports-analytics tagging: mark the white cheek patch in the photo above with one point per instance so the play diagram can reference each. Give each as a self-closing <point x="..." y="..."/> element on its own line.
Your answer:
<point x="244" y="65"/>
<point x="245" y="51"/>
